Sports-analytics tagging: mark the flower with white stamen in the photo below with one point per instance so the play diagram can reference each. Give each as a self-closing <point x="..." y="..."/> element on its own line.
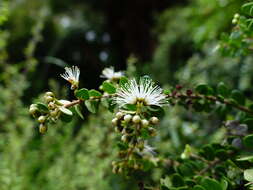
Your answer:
<point x="144" y="91"/>
<point x="110" y="74"/>
<point x="72" y="76"/>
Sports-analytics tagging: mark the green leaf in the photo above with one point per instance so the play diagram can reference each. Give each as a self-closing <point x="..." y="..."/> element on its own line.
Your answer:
<point x="245" y="158"/>
<point x="247" y="8"/>
<point x="248" y="175"/>
<point x="82" y="94"/>
<point x="198" y="187"/>
<point x="66" y="114"/>
<point x="211" y="184"/>
<point x="42" y="107"/>
<point x="248" y="141"/>
<point x="65" y="111"/>
<point x="238" y="97"/>
<point x="224" y="184"/>
<point x="204" y="89"/>
<point x="123" y="81"/>
<point x="95" y="93"/>
<point x="130" y="107"/>
<point x="78" y="111"/>
<point x="92" y="106"/>
<point x="167" y="92"/>
<point x="222" y="90"/>
<point x="108" y="87"/>
<point x="177" y="180"/>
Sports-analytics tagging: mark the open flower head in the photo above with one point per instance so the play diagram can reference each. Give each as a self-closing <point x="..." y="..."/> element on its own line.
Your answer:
<point x="110" y="74"/>
<point x="72" y="76"/>
<point x="144" y="91"/>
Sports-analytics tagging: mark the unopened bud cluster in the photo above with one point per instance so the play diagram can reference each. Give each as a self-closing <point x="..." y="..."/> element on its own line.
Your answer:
<point x="133" y="128"/>
<point x="236" y="18"/>
<point x="44" y="116"/>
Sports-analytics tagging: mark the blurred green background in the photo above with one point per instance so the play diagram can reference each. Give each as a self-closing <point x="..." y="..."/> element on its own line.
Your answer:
<point x="172" y="41"/>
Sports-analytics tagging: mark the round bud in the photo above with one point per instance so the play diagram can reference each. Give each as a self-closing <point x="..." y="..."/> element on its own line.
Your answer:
<point x="54" y="113"/>
<point x="144" y="123"/>
<point x="152" y="132"/>
<point x="136" y="119"/>
<point x="124" y="138"/>
<point x="136" y="166"/>
<point x="119" y="115"/>
<point x="154" y="120"/>
<point x="115" y="121"/>
<point x="114" y="163"/>
<point x="42" y="119"/>
<point x="43" y="128"/>
<point x="127" y="118"/>
<point x="33" y="105"/>
<point x="50" y="94"/>
<point x="236" y="16"/>
<point x="33" y="110"/>
<point x="49" y="99"/>
<point x="120" y="170"/>
<point x="234" y="21"/>
<point x="51" y="105"/>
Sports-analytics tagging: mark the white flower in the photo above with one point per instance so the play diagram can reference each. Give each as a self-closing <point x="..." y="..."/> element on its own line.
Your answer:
<point x="110" y="74"/>
<point x="145" y="91"/>
<point x="72" y="75"/>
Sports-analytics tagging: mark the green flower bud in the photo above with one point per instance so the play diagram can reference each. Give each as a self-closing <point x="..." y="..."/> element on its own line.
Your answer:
<point x="50" y="94"/>
<point x="154" y="120"/>
<point x="114" y="121"/>
<point x="124" y="138"/>
<point x="51" y="105"/>
<point x="33" y="110"/>
<point x="49" y="99"/>
<point x="33" y="105"/>
<point x="236" y="16"/>
<point x="144" y="123"/>
<point x="234" y="21"/>
<point x="127" y="118"/>
<point x="42" y="119"/>
<point x="43" y="128"/>
<point x="136" y="119"/>
<point x="54" y="113"/>
<point x="119" y="115"/>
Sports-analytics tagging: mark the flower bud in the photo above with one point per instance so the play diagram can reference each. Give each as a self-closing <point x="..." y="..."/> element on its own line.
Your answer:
<point x="136" y="166"/>
<point x="54" y="113"/>
<point x="43" y="128"/>
<point x="42" y="119"/>
<point x="136" y="119"/>
<point x="33" y="110"/>
<point x="114" y="163"/>
<point x="236" y="16"/>
<point x="51" y="105"/>
<point x="152" y="132"/>
<point x="50" y="94"/>
<point x="49" y="99"/>
<point x="119" y="115"/>
<point x="234" y="21"/>
<point x="144" y="123"/>
<point x="127" y="118"/>
<point x="154" y="120"/>
<point x="114" y="121"/>
<point x="124" y="138"/>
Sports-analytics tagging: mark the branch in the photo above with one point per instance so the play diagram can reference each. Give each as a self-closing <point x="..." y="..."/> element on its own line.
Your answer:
<point x="214" y="99"/>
